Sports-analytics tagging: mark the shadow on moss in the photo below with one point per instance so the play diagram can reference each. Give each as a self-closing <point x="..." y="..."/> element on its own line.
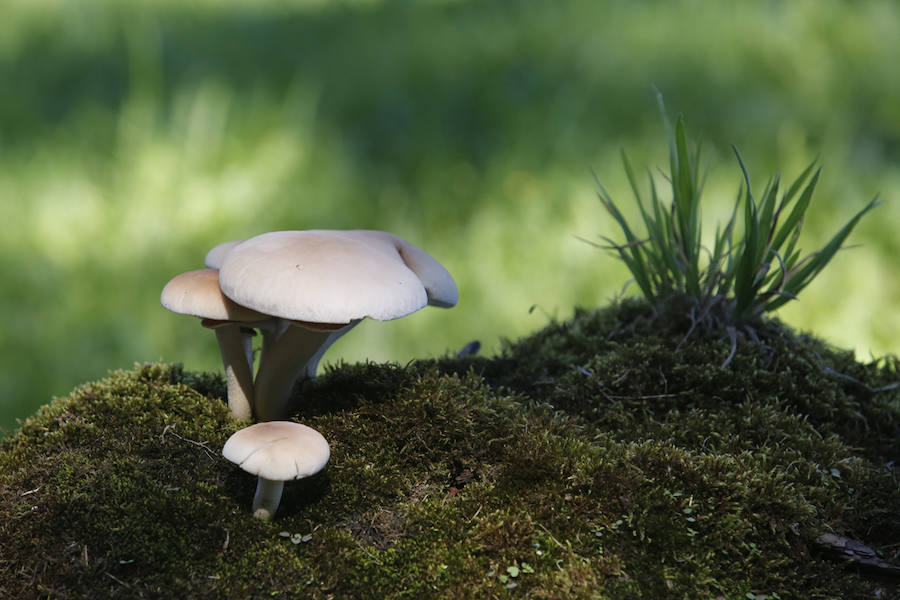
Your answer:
<point x="605" y="456"/>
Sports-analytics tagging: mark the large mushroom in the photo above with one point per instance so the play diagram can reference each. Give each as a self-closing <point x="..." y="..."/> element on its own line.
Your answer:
<point x="197" y="293"/>
<point x="276" y="451"/>
<point x="323" y="282"/>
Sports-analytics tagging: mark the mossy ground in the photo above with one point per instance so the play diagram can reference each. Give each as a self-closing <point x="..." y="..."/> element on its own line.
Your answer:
<point x="607" y="456"/>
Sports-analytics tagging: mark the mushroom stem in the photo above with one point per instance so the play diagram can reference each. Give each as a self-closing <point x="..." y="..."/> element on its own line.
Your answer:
<point x="271" y="333"/>
<point x="313" y="363"/>
<point x="267" y="498"/>
<point x="281" y="367"/>
<point x="236" y="349"/>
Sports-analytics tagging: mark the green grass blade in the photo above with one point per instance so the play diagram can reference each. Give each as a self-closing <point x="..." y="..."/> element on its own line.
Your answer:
<point x="748" y="260"/>
<point x="686" y="210"/>
<point x="685" y="204"/>
<point x="667" y="254"/>
<point x="631" y="252"/>
<point x="720" y="283"/>
<point x="798" y="183"/>
<point x="805" y="274"/>
<point x="654" y="253"/>
<point x="632" y="180"/>
<point x="652" y="222"/>
<point x="767" y="208"/>
<point x="795" y="219"/>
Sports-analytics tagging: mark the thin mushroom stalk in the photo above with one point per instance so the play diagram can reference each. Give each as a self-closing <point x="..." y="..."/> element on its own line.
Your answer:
<point x="275" y="328"/>
<point x="267" y="498"/>
<point x="281" y="367"/>
<point x="312" y="365"/>
<point x="236" y="348"/>
<point x="271" y="333"/>
<point x="238" y="371"/>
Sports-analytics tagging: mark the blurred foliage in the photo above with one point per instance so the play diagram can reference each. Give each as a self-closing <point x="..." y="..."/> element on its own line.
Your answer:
<point x="135" y="136"/>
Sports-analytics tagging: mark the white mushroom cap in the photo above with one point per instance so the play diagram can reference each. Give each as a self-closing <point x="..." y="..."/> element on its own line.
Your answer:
<point x="323" y="276"/>
<point x="437" y="281"/>
<point x="216" y="256"/>
<point x="278" y="450"/>
<point x="197" y="293"/>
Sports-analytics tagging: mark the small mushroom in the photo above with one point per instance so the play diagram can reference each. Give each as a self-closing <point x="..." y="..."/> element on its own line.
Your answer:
<point x="197" y="293"/>
<point x="276" y="451"/>
<point x="324" y="282"/>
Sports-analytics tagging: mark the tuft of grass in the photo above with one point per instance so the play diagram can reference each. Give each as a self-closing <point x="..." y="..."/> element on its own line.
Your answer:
<point x="756" y="274"/>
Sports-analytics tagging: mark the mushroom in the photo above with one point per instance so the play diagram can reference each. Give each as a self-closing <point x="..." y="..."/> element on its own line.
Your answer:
<point x="197" y="293"/>
<point x="276" y="451"/>
<point x="324" y="282"/>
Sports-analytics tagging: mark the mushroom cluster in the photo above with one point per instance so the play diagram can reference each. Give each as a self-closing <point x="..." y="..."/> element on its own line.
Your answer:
<point x="302" y="290"/>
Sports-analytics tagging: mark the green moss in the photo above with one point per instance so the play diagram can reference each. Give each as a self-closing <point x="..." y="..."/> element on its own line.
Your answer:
<point x="607" y="456"/>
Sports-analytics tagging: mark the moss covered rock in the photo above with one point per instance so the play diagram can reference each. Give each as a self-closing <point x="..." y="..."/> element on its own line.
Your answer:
<point x="608" y="456"/>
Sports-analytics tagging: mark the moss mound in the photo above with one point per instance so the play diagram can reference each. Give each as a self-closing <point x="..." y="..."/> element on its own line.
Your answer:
<point x="607" y="456"/>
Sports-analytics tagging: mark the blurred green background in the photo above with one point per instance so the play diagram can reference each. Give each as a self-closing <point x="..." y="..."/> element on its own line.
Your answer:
<point x="135" y="136"/>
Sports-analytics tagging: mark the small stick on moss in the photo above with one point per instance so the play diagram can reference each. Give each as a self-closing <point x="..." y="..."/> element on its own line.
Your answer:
<point x="732" y="336"/>
<point x="169" y="428"/>
<point x="828" y="370"/>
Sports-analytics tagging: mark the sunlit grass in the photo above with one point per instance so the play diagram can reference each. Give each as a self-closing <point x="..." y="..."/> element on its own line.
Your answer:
<point x="140" y="135"/>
